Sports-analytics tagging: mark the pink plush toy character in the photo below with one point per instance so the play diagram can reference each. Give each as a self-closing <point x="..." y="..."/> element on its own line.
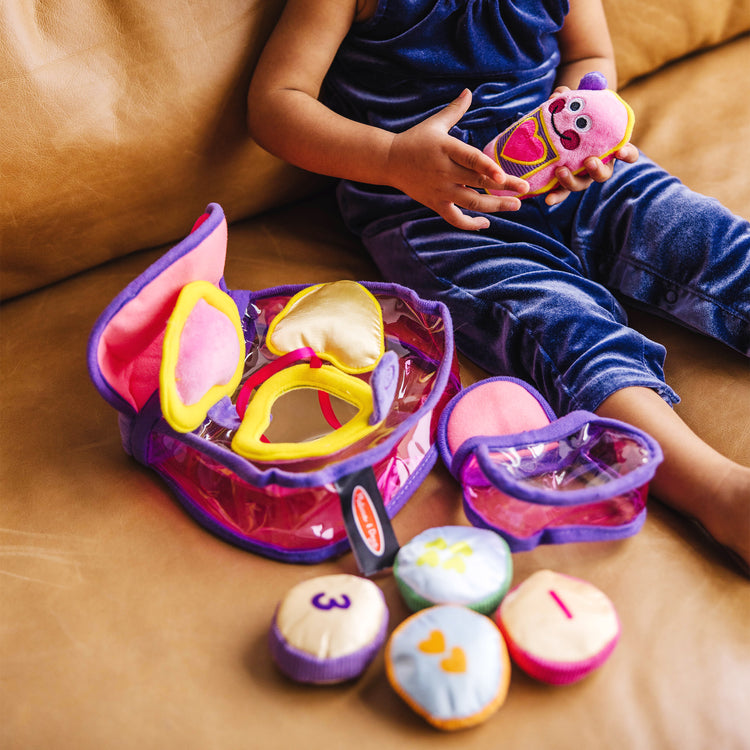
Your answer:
<point x="563" y="132"/>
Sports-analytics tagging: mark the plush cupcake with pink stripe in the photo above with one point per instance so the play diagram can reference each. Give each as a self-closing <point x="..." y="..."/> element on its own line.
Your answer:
<point x="558" y="628"/>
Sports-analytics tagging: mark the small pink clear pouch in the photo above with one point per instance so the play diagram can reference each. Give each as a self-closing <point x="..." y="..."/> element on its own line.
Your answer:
<point x="536" y="479"/>
<point x="286" y="509"/>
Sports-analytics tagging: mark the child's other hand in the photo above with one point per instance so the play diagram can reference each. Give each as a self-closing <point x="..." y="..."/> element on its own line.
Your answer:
<point x="445" y="174"/>
<point x="596" y="171"/>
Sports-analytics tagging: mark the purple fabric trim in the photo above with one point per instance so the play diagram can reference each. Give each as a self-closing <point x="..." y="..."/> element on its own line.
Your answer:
<point x="214" y="220"/>
<point x="276" y="475"/>
<point x="224" y="412"/>
<point x="376" y="287"/>
<point x="241" y="298"/>
<point x="557" y="534"/>
<point x="482" y="446"/>
<point x="383" y="383"/>
<point x="304" y="667"/>
<point x="126" y="424"/>
<point x="395" y="503"/>
<point x="140" y="428"/>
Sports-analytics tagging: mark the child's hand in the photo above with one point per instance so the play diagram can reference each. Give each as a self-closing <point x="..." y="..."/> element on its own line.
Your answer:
<point x="444" y="174"/>
<point x="596" y="169"/>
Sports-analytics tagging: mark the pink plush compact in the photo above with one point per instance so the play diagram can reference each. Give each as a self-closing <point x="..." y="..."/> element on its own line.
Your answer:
<point x="565" y="131"/>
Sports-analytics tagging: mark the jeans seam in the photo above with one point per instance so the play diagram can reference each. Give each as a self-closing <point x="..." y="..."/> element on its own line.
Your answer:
<point x="643" y="267"/>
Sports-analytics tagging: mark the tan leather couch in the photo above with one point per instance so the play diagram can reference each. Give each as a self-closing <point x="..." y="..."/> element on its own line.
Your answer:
<point x="123" y="624"/>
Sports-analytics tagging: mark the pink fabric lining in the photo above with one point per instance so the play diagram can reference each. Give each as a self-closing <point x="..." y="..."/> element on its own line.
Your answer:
<point x="495" y="408"/>
<point x="130" y="348"/>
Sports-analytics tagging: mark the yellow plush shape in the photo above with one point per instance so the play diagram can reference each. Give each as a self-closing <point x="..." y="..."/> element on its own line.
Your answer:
<point x="247" y="440"/>
<point x="202" y="357"/>
<point x="341" y="321"/>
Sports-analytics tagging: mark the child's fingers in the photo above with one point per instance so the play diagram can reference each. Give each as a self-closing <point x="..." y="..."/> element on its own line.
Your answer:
<point x="447" y="117"/>
<point x="559" y="90"/>
<point x="600" y="171"/>
<point x="457" y="218"/>
<point x="483" y="182"/>
<point x="508" y="182"/>
<point x="556" y="195"/>
<point x="628" y="153"/>
<point x="470" y="200"/>
<point x="597" y="170"/>
<point x="480" y="171"/>
<point x="485" y="203"/>
<point x="573" y="182"/>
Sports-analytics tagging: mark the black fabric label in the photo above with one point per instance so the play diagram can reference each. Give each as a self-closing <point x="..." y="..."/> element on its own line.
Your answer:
<point x="368" y="527"/>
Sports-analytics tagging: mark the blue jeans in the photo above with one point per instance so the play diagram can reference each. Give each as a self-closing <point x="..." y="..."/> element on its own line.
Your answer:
<point x="534" y="295"/>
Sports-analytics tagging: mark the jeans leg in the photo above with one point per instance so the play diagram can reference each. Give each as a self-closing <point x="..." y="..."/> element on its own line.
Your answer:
<point x="522" y="305"/>
<point x="673" y="251"/>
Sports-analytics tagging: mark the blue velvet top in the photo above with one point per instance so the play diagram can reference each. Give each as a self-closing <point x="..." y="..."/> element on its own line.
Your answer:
<point x="415" y="56"/>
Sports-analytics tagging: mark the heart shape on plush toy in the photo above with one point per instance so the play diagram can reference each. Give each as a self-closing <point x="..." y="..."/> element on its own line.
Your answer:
<point x="433" y="644"/>
<point x="456" y="662"/>
<point x="524" y="144"/>
<point x="455" y="563"/>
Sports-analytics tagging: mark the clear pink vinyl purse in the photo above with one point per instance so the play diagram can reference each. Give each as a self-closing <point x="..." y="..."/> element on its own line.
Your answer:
<point x="274" y="414"/>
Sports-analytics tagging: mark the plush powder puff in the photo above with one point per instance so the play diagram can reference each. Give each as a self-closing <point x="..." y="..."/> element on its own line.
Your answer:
<point x="563" y="132"/>
<point x="558" y="628"/>
<point x="450" y="665"/>
<point x="341" y="321"/>
<point x="499" y="406"/>
<point x="454" y="565"/>
<point x="328" y="629"/>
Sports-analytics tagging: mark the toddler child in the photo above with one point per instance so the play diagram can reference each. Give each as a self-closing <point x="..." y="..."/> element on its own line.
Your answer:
<point x="398" y="98"/>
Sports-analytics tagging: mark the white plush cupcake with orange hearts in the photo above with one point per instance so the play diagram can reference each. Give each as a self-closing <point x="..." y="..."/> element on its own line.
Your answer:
<point x="450" y="664"/>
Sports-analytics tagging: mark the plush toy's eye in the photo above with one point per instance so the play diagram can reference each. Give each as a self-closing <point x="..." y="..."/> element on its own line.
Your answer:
<point x="583" y="123"/>
<point x="576" y="105"/>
